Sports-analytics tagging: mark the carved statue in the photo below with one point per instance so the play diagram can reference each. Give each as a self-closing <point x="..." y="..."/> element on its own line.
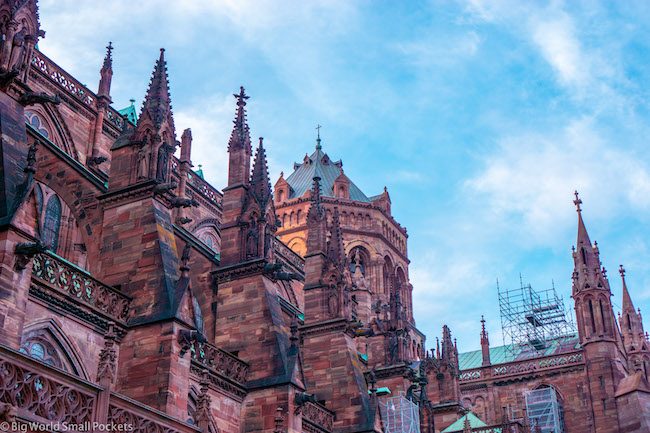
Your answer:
<point x="18" y="50"/>
<point x="143" y="161"/>
<point x="252" y="241"/>
<point x="333" y="302"/>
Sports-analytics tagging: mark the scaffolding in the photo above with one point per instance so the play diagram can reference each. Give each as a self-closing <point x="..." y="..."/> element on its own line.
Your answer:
<point x="399" y="415"/>
<point x="531" y="319"/>
<point x="545" y="410"/>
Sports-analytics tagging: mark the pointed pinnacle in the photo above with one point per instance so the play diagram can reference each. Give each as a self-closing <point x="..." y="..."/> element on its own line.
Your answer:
<point x="577" y="202"/>
<point x="108" y="60"/>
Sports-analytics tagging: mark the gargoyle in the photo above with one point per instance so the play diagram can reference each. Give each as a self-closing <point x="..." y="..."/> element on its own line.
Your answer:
<point x="274" y="270"/>
<point x="7" y="412"/>
<point x="187" y="337"/>
<point x="364" y="332"/>
<point x="184" y="202"/>
<point x="31" y="98"/>
<point x="96" y="160"/>
<point x="7" y="77"/>
<point x="303" y="397"/>
<point x="183" y="220"/>
<point x="25" y="252"/>
<point x="162" y="188"/>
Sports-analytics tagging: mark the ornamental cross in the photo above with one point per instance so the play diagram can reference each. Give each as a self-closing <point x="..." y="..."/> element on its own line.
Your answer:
<point x="622" y="270"/>
<point x="318" y="130"/>
<point x="577" y="201"/>
<point x="242" y="97"/>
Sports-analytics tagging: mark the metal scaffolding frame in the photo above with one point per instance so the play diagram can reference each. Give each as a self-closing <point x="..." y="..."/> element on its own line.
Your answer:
<point x="545" y="410"/>
<point x="399" y="415"/>
<point x="530" y="319"/>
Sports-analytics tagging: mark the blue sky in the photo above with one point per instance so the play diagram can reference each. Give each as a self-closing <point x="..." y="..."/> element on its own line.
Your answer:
<point x="481" y="117"/>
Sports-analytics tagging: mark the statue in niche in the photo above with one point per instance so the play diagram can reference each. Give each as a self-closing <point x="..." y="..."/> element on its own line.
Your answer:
<point x="163" y="161"/>
<point x="268" y="242"/>
<point x="347" y="307"/>
<point x="393" y="348"/>
<point x="144" y="156"/>
<point x="333" y="301"/>
<point x="252" y="240"/>
<point x="18" y="50"/>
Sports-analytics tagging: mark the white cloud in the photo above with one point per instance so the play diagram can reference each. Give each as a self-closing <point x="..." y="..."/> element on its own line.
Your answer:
<point x="558" y="44"/>
<point x="532" y="177"/>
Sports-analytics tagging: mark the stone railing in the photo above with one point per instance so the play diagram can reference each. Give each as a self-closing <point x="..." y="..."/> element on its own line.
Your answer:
<point x="60" y="401"/>
<point x="524" y="366"/>
<point x="41" y="63"/>
<point x="114" y="118"/>
<point x="470" y="375"/>
<point x="204" y="188"/>
<point x="64" y="277"/>
<point x="318" y="415"/>
<point x="289" y="255"/>
<point x="139" y="418"/>
<point x="198" y="184"/>
<point x="219" y="360"/>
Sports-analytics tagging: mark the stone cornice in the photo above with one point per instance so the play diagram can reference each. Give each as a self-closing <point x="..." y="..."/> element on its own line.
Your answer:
<point x="238" y="270"/>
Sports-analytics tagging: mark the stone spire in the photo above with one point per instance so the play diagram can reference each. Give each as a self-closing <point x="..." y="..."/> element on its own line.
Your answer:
<point x="627" y="300"/>
<point x="485" y="344"/>
<point x="335" y="250"/>
<point x="106" y="74"/>
<point x="588" y="273"/>
<point x="631" y="324"/>
<point x="239" y="145"/>
<point x="157" y="102"/>
<point x="260" y="185"/>
<point x="316" y="223"/>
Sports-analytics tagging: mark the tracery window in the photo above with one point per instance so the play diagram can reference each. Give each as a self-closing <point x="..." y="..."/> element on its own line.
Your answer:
<point x="38" y="123"/>
<point x="42" y="345"/>
<point x="52" y="223"/>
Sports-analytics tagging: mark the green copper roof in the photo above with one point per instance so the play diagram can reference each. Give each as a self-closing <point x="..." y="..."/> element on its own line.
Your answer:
<point x="319" y="164"/>
<point x="130" y="113"/>
<point x="474" y="422"/>
<point x="508" y="353"/>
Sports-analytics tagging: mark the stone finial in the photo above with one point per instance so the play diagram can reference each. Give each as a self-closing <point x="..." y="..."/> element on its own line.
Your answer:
<point x="202" y="412"/>
<point x="577" y="202"/>
<point x="279" y="421"/>
<point x="107" y="367"/>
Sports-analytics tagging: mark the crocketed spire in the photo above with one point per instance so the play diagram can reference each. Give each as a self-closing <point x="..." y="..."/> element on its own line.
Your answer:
<point x="240" y="136"/>
<point x="260" y="185"/>
<point x="587" y="267"/>
<point x="157" y="102"/>
<point x="106" y="73"/>
<point x="335" y="250"/>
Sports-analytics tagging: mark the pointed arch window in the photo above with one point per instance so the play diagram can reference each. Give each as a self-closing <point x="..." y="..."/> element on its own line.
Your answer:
<point x="37" y="123"/>
<point x="42" y="345"/>
<point x="52" y="223"/>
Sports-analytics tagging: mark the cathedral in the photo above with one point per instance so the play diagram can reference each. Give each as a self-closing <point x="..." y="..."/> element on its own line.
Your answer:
<point x="135" y="296"/>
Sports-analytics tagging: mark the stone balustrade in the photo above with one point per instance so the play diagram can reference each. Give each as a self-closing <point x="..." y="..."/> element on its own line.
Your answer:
<point x="522" y="366"/>
<point x="219" y="360"/>
<point x="318" y="415"/>
<point x="55" y="273"/>
<point x="58" y="400"/>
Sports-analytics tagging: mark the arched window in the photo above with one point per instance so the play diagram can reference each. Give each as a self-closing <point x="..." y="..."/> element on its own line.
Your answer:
<point x="37" y="123"/>
<point x="280" y="195"/>
<point x="298" y="215"/>
<point x="52" y="223"/>
<point x="42" y="345"/>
